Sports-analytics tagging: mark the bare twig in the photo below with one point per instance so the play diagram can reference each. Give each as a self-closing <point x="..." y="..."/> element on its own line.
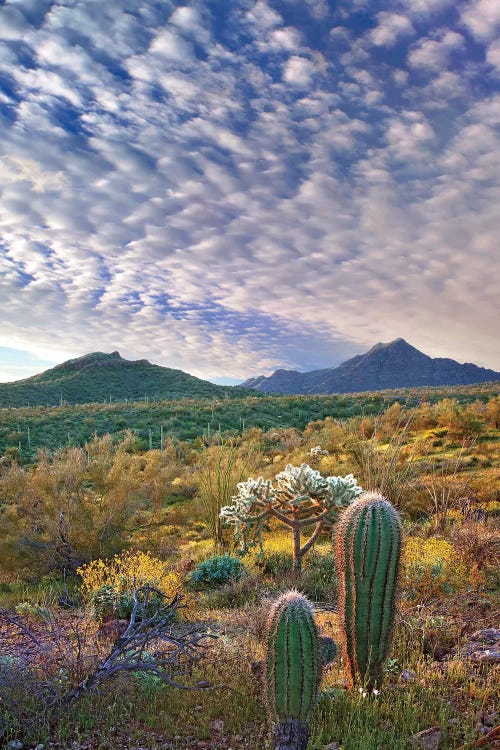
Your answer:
<point x="129" y="653"/>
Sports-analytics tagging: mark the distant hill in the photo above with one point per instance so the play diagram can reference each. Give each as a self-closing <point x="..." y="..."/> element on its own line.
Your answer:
<point x="393" y="365"/>
<point x="99" y="377"/>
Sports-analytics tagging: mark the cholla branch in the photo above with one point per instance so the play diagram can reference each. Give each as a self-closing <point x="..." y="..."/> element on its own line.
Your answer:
<point x="152" y="642"/>
<point x="301" y="497"/>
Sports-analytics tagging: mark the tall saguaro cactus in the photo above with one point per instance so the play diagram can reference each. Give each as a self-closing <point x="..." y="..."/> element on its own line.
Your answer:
<point x="292" y="670"/>
<point x="368" y="546"/>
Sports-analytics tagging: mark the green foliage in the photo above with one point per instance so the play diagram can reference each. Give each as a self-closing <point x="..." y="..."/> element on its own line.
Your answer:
<point x="293" y="669"/>
<point x="51" y="427"/>
<point x="368" y="547"/>
<point x="216" y="571"/>
<point x="276" y="564"/>
<point x="300" y="497"/>
<point x="319" y="579"/>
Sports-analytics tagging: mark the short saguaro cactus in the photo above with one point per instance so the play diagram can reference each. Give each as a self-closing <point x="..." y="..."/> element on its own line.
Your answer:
<point x="368" y="548"/>
<point x="292" y="670"/>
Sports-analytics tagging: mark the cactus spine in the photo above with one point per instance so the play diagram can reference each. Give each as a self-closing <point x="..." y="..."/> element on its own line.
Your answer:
<point x="368" y="546"/>
<point x="293" y="670"/>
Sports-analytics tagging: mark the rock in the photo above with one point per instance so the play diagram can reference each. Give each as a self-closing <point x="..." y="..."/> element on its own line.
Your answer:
<point x="482" y="648"/>
<point x="490" y="720"/>
<point x="429" y="739"/>
<point x="15" y="745"/>
<point x="40" y="746"/>
<point x="489" y="635"/>
<point x="488" y="656"/>
<point x="217" y="725"/>
<point x="332" y="746"/>
<point x="407" y="675"/>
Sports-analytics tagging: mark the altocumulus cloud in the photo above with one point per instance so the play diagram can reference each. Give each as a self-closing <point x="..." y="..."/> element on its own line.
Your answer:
<point x="228" y="187"/>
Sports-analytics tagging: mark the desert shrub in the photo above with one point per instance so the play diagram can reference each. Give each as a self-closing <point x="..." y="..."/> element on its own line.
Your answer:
<point x="78" y="505"/>
<point x="216" y="571"/>
<point x="431" y="568"/>
<point x="31" y="611"/>
<point x="220" y="469"/>
<point x="26" y="699"/>
<point x="276" y="564"/>
<point x="319" y="581"/>
<point x="109" y="585"/>
<point x="438" y="636"/>
<point x="478" y="545"/>
<point x="238" y="592"/>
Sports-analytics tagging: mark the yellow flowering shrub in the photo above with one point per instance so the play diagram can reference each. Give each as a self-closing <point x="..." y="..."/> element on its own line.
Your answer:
<point x="114" y="580"/>
<point x="431" y="568"/>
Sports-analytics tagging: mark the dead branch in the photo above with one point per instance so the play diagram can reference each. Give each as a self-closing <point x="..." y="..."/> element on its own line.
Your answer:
<point x="151" y="643"/>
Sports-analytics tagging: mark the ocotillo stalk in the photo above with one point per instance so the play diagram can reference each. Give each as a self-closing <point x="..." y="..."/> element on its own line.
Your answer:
<point x="368" y="545"/>
<point x="293" y="670"/>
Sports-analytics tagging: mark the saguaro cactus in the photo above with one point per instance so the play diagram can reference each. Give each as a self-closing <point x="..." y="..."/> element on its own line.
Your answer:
<point x="368" y="545"/>
<point x="293" y="670"/>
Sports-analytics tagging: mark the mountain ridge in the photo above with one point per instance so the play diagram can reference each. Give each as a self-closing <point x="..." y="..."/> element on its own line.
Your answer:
<point x="98" y="377"/>
<point x="396" y="364"/>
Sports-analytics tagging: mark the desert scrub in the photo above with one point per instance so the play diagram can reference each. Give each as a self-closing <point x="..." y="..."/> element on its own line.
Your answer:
<point x="31" y="611"/>
<point x="319" y="579"/>
<point x="276" y="564"/>
<point x="236" y="593"/>
<point x="431" y="568"/>
<point x="216" y="571"/>
<point x="109" y="585"/>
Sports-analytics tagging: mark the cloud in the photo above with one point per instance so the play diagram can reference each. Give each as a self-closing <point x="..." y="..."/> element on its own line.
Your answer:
<point x="423" y="8"/>
<point x="264" y="17"/>
<point x="298" y="71"/>
<point x="229" y="193"/>
<point x="434" y="54"/>
<point x="493" y="55"/>
<point x="285" y="38"/>
<point x="318" y="8"/>
<point x="482" y="18"/>
<point x="172" y="46"/>
<point x="390" y="27"/>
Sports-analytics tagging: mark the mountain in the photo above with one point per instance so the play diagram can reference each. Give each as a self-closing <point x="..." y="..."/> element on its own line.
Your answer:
<point x="109" y="377"/>
<point x="393" y="365"/>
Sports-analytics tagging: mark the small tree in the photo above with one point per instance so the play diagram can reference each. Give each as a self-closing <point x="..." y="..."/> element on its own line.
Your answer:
<point x="300" y="498"/>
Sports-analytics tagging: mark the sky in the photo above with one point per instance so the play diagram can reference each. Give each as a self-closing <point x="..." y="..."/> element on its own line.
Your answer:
<point x="230" y="186"/>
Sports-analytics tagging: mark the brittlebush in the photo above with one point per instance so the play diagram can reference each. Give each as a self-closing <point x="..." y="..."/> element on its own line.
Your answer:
<point x="431" y="568"/>
<point x="121" y="575"/>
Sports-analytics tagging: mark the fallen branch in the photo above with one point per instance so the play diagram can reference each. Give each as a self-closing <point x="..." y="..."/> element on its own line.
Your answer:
<point x="129" y="653"/>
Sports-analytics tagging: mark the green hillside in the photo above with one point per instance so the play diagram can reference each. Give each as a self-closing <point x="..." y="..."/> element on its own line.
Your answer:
<point x="100" y="377"/>
<point x="30" y="429"/>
